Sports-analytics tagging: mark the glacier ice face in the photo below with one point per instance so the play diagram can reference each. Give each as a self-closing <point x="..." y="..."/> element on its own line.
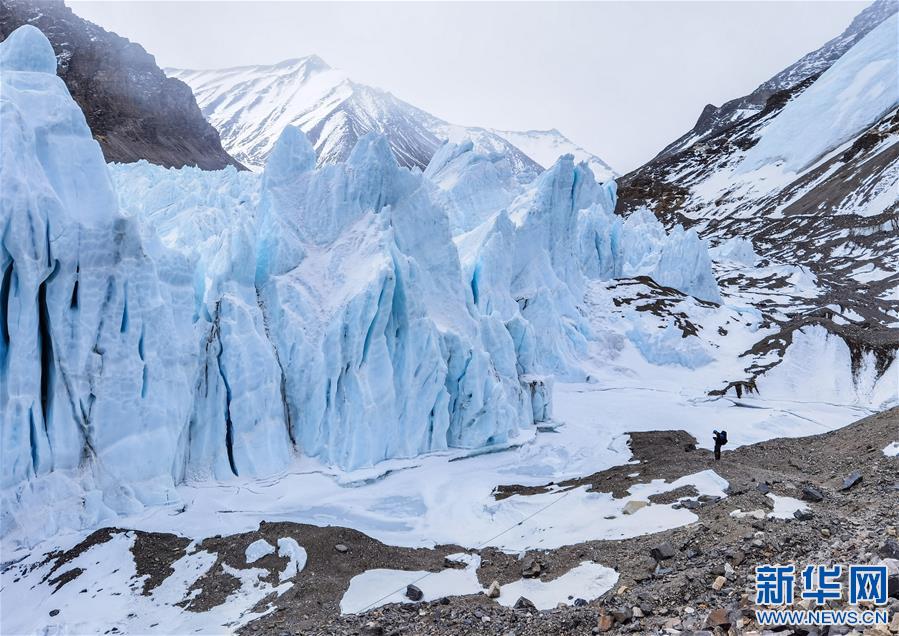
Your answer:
<point x="227" y="321"/>
<point x="382" y="353"/>
<point x="472" y="186"/>
<point x="736" y="249"/>
<point x="27" y="49"/>
<point x="95" y="354"/>
<point x="638" y="246"/>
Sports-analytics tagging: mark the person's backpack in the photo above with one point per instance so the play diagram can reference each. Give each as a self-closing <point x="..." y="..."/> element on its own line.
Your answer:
<point x="723" y="437"/>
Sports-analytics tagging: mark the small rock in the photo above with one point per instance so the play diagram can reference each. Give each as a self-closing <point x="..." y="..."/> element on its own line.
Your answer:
<point x="371" y="629"/>
<point x="762" y="487"/>
<point x="341" y="548"/>
<point x="719" y="583"/>
<point x="851" y="480"/>
<point x="524" y="604"/>
<point x="493" y="591"/>
<point x="54" y="612"/>
<point x="636" y="612"/>
<point x="718" y="618"/>
<point x="662" y="551"/>
<point x="622" y="590"/>
<point x="580" y="602"/>
<point x="889" y="550"/>
<point x="825" y="532"/>
<point x="605" y="623"/>
<point x="803" y="514"/>
<point x="728" y="570"/>
<point x="810" y="493"/>
<point x="531" y="568"/>
<point x="633" y="506"/>
<point x="414" y="593"/>
<point x="622" y="616"/>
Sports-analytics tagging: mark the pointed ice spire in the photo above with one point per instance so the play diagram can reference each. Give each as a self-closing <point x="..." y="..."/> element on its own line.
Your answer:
<point x="371" y="149"/>
<point x="292" y="155"/>
<point x="27" y="49"/>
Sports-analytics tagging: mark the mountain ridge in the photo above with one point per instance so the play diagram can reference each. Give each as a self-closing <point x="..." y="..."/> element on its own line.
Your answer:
<point x="251" y="104"/>
<point x="133" y="110"/>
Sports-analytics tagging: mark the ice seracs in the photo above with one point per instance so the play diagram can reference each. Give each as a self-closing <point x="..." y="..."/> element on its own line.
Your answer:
<point x="355" y="312"/>
<point x="96" y="348"/>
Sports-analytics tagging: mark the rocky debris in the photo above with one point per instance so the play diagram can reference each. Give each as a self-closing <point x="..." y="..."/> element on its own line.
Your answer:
<point x="524" y="604"/>
<point x="889" y="550"/>
<point x="718" y="618"/>
<point x="810" y="493"/>
<point x="633" y="506"/>
<point x="662" y="551"/>
<point x="494" y="590"/>
<point x="531" y="568"/>
<point x="851" y="480"/>
<point x="133" y="110"/>
<point x="371" y="629"/>
<point x="605" y="623"/>
<point x="414" y="593"/>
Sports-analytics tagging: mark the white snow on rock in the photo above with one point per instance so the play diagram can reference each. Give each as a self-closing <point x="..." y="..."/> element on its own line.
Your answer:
<point x="258" y="549"/>
<point x="113" y="599"/>
<point x="587" y="581"/>
<point x="784" y="507"/>
<point x="374" y="588"/>
<point x="288" y="547"/>
<point x="736" y="249"/>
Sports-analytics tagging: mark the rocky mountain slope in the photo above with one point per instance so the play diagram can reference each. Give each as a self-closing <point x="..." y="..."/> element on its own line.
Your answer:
<point x="251" y="105"/>
<point x="810" y="181"/>
<point x="134" y="111"/>
<point x="714" y="119"/>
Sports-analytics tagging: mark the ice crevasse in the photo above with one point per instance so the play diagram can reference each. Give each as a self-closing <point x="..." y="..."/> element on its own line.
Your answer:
<point x="354" y="312"/>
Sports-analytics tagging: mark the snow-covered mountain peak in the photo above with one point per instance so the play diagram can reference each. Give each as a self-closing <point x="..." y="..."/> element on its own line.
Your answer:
<point x="250" y="105"/>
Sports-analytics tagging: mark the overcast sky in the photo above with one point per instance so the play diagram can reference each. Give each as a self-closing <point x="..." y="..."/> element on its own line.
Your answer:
<point x="622" y="79"/>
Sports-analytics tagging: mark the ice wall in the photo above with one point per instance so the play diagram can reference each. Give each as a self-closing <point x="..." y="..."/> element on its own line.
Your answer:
<point x="612" y="247"/>
<point x="96" y="351"/>
<point x="161" y="325"/>
<point x="383" y="355"/>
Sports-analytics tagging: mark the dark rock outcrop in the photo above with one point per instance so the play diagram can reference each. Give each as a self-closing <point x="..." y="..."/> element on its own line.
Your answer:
<point x="134" y="111"/>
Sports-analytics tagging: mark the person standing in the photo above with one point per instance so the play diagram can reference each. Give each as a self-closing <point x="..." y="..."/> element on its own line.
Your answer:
<point x="720" y="440"/>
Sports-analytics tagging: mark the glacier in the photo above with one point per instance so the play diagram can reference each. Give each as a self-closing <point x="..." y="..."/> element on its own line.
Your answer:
<point x="162" y="326"/>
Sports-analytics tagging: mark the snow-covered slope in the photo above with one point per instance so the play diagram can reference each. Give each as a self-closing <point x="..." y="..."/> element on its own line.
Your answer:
<point x="715" y="119"/>
<point x="251" y="105"/>
<point x="810" y="180"/>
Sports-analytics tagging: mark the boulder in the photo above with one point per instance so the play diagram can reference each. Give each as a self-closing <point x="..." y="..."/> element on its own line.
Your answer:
<point x="851" y="480"/>
<point x="414" y="593"/>
<point x="662" y="551"/>
<point x="524" y="604"/>
<point x="810" y="493"/>
<point x="493" y="591"/>
<point x="633" y="506"/>
<point x="718" y="618"/>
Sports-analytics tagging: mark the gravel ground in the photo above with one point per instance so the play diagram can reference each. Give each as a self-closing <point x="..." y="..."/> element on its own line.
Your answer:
<point x="702" y="584"/>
